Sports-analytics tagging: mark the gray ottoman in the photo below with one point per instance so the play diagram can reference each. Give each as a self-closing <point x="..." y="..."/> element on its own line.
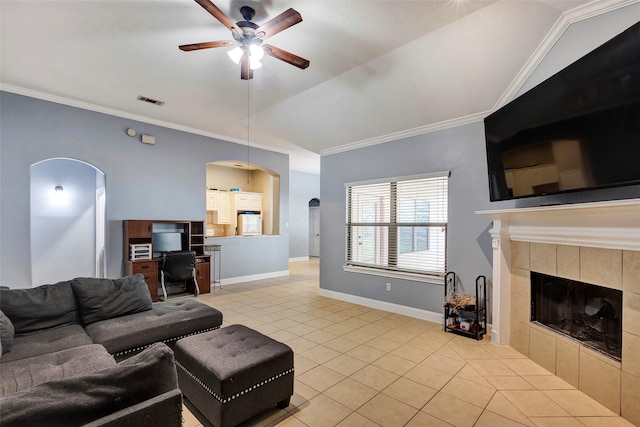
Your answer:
<point x="233" y="373"/>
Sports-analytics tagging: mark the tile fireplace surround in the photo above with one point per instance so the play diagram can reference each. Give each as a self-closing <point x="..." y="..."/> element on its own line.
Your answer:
<point x="597" y="243"/>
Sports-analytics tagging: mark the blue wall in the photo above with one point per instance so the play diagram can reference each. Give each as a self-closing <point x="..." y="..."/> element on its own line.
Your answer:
<point x="161" y="181"/>
<point x="459" y="150"/>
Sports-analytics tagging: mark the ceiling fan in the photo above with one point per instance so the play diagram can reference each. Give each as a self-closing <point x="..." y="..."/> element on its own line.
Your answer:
<point x="248" y="38"/>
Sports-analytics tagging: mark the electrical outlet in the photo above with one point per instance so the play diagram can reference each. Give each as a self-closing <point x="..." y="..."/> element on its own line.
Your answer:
<point x="388" y="286"/>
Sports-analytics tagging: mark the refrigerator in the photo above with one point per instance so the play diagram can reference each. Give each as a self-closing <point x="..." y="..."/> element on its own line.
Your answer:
<point x="249" y="225"/>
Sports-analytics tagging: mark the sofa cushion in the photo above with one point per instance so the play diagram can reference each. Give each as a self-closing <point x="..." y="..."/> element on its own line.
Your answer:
<point x="164" y="410"/>
<point x="42" y="307"/>
<point x="47" y="341"/>
<point x="101" y="299"/>
<point x="79" y="400"/>
<point x="166" y="321"/>
<point x="7" y="331"/>
<point x="19" y="375"/>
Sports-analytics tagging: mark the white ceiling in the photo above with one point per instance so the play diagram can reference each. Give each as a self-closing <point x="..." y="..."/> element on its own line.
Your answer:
<point x="379" y="69"/>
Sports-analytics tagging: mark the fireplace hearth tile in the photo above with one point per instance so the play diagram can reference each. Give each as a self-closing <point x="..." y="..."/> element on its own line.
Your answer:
<point x="520" y="336"/>
<point x="542" y="348"/>
<point x="521" y="308"/>
<point x="543" y="258"/>
<point x="630" y="394"/>
<point x="631" y="271"/>
<point x="601" y="267"/>
<point x="568" y="352"/>
<point x="599" y="379"/>
<point x="520" y="254"/>
<point x="630" y="354"/>
<point x="568" y="262"/>
<point x="631" y="313"/>
<point x="520" y="282"/>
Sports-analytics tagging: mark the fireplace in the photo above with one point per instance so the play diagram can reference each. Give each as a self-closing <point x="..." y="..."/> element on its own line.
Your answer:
<point x="588" y="313"/>
<point x="594" y="243"/>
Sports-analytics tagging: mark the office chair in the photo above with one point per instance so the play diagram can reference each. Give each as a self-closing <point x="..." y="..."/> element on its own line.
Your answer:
<point x="177" y="267"/>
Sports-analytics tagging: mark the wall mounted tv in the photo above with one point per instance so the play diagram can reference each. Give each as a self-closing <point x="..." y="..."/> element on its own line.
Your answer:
<point x="578" y="130"/>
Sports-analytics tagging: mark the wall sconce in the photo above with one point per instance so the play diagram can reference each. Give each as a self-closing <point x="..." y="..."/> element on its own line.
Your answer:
<point x="58" y="196"/>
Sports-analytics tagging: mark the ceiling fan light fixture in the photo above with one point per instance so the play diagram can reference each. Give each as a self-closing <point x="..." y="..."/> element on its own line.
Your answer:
<point x="256" y="52"/>
<point x="235" y="54"/>
<point x="248" y="37"/>
<point x="254" y="64"/>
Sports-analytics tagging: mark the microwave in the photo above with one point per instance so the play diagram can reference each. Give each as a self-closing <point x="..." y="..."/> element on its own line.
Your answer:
<point x="249" y="225"/>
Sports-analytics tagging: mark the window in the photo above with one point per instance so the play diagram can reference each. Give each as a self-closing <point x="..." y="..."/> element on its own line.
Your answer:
<point x="398" y="225"/>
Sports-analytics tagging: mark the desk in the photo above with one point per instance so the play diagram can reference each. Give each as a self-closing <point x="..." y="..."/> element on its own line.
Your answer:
<point x="142" y="232"/>
<point x="150" y="269"/>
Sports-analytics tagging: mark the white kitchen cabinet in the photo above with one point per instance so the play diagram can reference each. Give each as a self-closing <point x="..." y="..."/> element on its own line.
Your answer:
<point x="244" y="201"/>
<point x="219" y="201"/>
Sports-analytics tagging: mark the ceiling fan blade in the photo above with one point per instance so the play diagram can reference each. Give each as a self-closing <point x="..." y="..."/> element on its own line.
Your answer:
<point x="286" y="19"/>
<point x="205" y="45"/>
<point x="246" y="73"/>
<point x="285" y="56"/>
<point x="219" y="15"/>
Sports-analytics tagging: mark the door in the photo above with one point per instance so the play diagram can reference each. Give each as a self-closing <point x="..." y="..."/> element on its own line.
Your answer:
<point x="314" y="231"/>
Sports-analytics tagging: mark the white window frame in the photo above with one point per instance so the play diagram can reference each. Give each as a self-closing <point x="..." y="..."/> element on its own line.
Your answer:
<point x="381" y="267"/>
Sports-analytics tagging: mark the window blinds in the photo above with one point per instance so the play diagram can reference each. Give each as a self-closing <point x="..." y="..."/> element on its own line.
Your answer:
<point x="400" y="225"/>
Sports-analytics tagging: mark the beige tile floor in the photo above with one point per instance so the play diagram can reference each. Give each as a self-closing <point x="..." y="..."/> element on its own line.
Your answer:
<point x="358" y="366"/>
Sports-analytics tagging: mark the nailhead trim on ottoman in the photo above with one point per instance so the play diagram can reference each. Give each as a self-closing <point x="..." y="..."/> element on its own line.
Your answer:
<point x="233" y="373"/>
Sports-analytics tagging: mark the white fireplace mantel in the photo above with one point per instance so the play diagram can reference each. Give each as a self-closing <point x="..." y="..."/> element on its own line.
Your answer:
<point x="608" y="225"/>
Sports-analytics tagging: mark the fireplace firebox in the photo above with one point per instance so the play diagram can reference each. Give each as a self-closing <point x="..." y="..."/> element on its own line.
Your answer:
<point x="588" y="313"/>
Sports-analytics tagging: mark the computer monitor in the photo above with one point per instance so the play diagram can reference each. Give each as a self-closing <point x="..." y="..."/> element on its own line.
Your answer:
<point x="166" y="242"/>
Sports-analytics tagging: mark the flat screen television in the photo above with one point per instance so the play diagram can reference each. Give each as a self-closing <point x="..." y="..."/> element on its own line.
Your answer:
<point x="166" y="242"/>
<point x="578" y="130"/>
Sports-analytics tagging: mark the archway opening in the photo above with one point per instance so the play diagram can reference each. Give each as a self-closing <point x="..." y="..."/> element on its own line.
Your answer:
<point x="68" y="220"/>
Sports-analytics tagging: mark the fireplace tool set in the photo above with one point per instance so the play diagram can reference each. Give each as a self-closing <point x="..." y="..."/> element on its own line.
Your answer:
<point x="464" y="313"/>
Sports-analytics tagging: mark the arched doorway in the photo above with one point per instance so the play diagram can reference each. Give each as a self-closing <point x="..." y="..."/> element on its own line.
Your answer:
<point x="68" y="221"/>
<point x="314" y="227"/>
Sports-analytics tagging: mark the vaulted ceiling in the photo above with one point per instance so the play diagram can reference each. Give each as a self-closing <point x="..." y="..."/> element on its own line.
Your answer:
<point x="379" y="69"/>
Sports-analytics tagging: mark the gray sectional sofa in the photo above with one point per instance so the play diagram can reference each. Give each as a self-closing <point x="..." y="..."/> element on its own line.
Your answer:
<point x="93" y="352"/>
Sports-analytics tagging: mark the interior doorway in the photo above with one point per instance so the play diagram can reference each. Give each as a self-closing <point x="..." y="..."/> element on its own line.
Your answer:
<point x="68" y="221"/>
<point x="314" y="227"/>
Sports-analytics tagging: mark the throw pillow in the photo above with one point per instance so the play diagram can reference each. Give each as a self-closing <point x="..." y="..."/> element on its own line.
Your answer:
<point x="101" y="299"/>
<point x="42" y="307"/>
<point x="6" y="332"/>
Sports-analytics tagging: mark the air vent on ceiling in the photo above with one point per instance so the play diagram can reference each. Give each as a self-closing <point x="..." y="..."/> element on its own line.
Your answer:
<point x="152" y="101"/>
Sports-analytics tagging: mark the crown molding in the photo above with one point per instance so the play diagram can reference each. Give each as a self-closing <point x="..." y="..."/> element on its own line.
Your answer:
<point x="434" y="127"/>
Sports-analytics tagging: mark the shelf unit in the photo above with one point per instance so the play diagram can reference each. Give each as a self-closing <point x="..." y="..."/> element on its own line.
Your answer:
<point x="475" y="316"/>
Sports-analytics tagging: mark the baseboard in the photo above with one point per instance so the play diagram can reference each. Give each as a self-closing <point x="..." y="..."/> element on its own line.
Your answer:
<point x="242" y="279"/>
<point x="298" y="259"/>
<point x="382" y="305"/>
